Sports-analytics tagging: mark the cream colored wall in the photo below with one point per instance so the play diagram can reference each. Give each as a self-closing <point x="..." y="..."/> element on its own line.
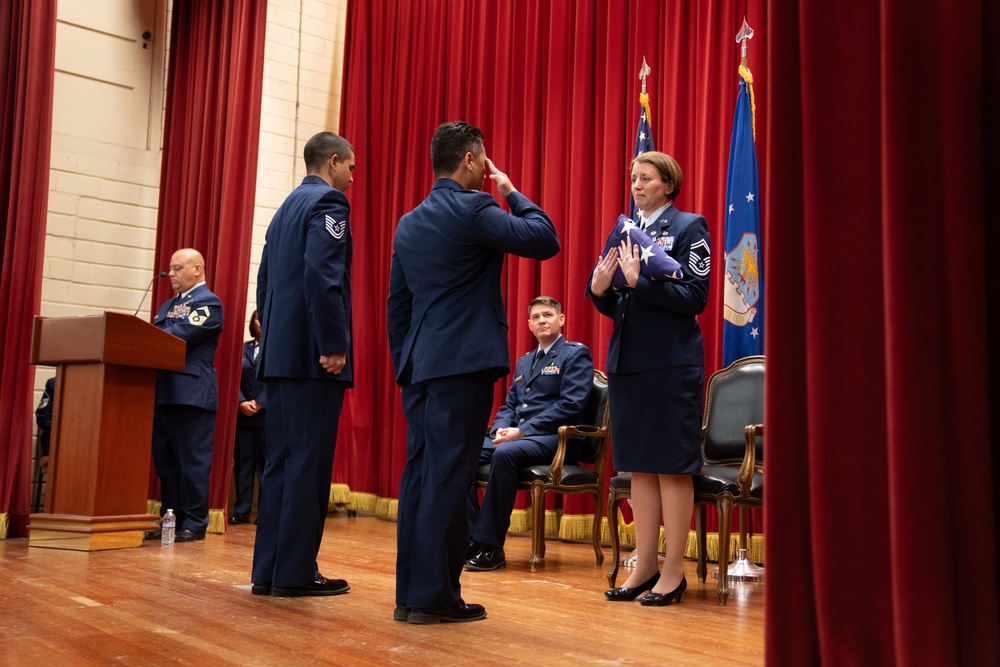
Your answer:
<point x="107" y="141"/>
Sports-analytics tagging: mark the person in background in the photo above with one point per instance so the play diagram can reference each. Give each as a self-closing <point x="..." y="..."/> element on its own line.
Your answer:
<point x="251" y="428"/>
<point x="187" y="401"/>
<point x="447" y="328"/>
<point x="656" y="375"/>
<point x="43" y="419"/>
<point x="550" y="388"/>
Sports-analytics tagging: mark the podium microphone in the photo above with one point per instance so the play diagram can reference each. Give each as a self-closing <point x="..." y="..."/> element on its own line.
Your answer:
<point x="161" y="274"/>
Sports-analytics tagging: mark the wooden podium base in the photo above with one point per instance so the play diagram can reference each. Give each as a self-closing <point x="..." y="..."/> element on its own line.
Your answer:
<point x="89" y="533"/>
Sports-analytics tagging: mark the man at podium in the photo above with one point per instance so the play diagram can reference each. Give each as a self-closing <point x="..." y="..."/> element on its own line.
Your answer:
<point x="186" y="401"/>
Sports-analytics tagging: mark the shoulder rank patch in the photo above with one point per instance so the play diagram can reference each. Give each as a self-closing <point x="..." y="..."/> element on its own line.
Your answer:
<point x="336" y="229"/>
<point x="700" y="259"/>
<point x="199" y="316"/>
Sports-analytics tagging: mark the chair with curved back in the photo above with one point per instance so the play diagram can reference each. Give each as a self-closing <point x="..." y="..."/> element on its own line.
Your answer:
<point x="732" y="446"/>
<point x="587" y="475"/>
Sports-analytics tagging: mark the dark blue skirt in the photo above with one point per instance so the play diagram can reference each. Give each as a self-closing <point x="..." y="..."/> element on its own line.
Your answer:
<point x="656" y="420"/>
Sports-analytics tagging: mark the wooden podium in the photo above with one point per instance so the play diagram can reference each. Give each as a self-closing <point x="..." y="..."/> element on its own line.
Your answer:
<point x="102" y="425"/>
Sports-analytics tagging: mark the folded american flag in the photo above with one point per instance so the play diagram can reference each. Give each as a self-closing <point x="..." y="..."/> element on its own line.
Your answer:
<point x="655" y="264"/>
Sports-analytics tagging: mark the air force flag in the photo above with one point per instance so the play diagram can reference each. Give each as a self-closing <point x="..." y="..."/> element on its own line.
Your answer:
<point x="743" y="302"/>
<point x="655" y="264"/>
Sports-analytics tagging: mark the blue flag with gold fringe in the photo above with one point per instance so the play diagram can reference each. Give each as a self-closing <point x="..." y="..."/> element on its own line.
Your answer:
<point x="743" y="301"/>
<point x="643" y="140"/>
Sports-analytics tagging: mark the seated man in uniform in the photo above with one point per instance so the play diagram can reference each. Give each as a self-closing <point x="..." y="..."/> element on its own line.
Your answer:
<point x="551" y="386"/>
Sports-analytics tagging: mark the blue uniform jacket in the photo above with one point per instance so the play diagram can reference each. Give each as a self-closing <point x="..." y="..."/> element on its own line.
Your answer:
<point x="251" y="388"/>
<point x="304" y="284"/>
<point x="197" y="320"/>
<point x="655" y="325"/>
<point x="446" y="314"/>
<point x="554" y="394"/>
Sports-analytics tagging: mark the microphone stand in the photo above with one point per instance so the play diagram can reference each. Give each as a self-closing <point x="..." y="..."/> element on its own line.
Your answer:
<point x="161" y="274"/>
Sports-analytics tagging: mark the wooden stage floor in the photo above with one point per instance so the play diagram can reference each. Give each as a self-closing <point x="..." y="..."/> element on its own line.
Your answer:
<point x="191" y="605"/>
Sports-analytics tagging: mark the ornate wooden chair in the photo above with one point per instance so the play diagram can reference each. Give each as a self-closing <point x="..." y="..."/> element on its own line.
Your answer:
<point x="619" y="489"/>
<point x="733" y="449"/>
<point x="587" y="475"/>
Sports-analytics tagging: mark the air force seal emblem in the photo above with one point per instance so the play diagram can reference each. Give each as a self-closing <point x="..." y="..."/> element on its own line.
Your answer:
<point x="742" y="290"/>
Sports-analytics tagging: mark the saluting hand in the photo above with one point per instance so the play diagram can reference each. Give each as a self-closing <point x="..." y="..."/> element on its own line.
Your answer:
<point x="504" y="186"/>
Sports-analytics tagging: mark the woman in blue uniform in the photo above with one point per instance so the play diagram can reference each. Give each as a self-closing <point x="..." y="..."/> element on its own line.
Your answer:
<point x="656" y="374"/>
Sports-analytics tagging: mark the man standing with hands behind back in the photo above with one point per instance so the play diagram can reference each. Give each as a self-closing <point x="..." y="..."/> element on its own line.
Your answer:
<point x="448" y="338"/>
<point x="305" y="358"/>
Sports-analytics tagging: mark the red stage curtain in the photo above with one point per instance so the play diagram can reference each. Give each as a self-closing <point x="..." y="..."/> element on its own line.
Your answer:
<point x="27" y="58"/>
<point x="554" y="86"/>
<point x="881" y="500"/>
<point x="208" y="180"/>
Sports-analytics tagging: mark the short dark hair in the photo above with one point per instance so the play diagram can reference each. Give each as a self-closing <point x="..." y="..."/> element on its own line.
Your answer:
<point x="545" y="301"/>
<point x="323" y="146"/>
<point x="253" y="316"/>
<point x="451" y="142"/>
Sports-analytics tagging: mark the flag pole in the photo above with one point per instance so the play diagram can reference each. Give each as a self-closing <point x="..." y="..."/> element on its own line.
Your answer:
<point x="743" y="569"/>
<point x="745" y="33"/>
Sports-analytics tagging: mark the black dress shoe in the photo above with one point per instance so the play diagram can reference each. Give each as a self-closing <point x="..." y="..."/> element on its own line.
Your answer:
<point x="490" y="558"/>
<point x="153" y="534"/>
<point x="260" y="589"/>
<point x="663" y="599"/>
<point x="322" y="586"/>
<point x="453" y="613"/>
<point x="237" y="519"/>
<point x="474" y="549"/>
<point x="625" y="594"/>
<point x="189" y="535"/>
<point x="400" y="612"/>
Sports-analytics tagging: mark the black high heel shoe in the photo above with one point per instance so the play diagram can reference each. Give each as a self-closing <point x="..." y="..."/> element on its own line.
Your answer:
<point x="663" y="599"/>
<point x="625" y="594"/>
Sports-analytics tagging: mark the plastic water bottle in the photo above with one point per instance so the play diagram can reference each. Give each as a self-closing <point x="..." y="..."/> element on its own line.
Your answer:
<point x="167" y="527"/>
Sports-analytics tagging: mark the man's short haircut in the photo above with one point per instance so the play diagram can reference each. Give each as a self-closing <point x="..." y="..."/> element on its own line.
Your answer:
<point x="545" y="301"/>
<point x="323" y="146"/>
<point x="451" y="142"/>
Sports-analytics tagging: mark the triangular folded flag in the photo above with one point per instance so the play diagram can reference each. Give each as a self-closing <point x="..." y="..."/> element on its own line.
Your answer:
<point x="655" y="264"/>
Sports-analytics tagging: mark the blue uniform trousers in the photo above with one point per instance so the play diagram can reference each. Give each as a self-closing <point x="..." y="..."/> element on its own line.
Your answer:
<point x="446" y="418"/>
<point x="490" y="523"/>
<point x="248" y="461"/>
<point x="302" y="418"/>
<point x="182" y="456"/>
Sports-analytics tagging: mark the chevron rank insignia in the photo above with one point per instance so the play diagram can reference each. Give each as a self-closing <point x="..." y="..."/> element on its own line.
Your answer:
<point x="336" y="229"/>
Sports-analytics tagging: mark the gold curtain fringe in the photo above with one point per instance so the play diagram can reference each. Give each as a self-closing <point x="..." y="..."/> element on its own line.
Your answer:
<point x="4" y="520"/>
<point x="216" y="521"/>
<point x="363" y="502"/>
<point x="553" y="518"/>
<point x="340" y="495"/>
<point x="570" y="527"/>
<point x="387" y="508"/>
<point x="520" y="521"/>
<point x="576" y="527"/>
<point x="755" y="547"/>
